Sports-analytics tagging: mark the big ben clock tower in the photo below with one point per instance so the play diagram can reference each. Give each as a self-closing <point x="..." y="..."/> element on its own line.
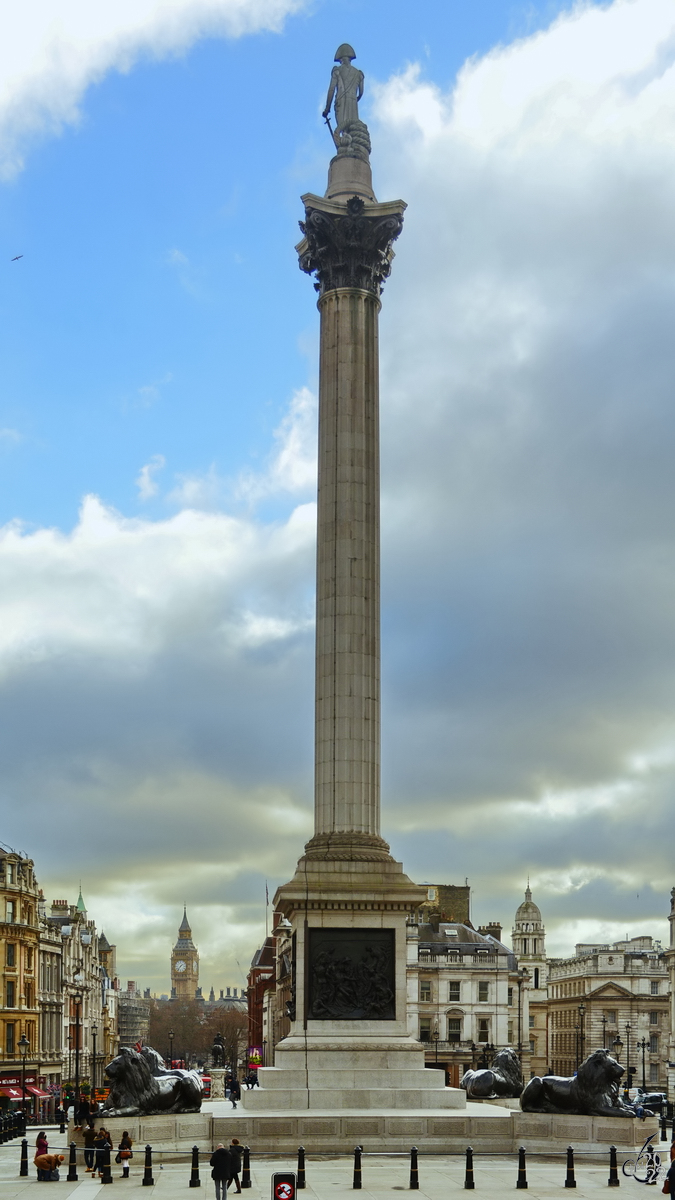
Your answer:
<point x="184" y="964"/>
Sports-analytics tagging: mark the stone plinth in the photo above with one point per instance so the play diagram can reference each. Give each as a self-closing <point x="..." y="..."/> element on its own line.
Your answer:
<point x="217" y="1083"/>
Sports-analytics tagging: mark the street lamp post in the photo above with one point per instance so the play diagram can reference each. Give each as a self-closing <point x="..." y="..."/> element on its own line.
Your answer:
<point x="582" y="1015"/>
<point x="576" y="1046"/>
<point x="628" y="1078"/>
<point x="643" y="1046"/>
<point x="78" y="1002"/>
<point x="24" y="1046"/>
<point x="171" y="1048"/>
<point x="94" y="1031"/>
<point x="435" y="1037"/>
<point x="604" y="1032"/>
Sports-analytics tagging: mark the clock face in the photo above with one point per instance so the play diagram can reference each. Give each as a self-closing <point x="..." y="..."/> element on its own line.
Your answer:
<point x="180" y="965"/>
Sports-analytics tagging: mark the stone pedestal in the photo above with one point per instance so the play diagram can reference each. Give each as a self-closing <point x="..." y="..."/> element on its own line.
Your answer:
<point x="217" y="1083"/>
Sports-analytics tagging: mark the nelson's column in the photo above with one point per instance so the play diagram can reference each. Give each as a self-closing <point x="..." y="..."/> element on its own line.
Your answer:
<point x="348" y="902"/>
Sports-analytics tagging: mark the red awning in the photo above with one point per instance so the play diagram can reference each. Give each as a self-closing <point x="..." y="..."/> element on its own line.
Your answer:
<point x="36" y="1091"/>
<point x="12" y="1092"/>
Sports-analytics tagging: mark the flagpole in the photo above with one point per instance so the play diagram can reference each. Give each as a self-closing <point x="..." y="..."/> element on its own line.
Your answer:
<point x="267" y="904"/>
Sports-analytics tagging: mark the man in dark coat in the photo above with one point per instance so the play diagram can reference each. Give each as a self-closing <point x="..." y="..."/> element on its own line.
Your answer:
<point x="220" y="1170"/>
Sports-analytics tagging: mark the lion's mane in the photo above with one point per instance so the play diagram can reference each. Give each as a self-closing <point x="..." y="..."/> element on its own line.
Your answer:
<point x="592" y="1092"/>
<point x="503" y="1078"/>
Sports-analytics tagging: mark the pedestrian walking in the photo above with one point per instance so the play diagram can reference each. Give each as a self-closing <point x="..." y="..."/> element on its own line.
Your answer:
<point x="235" y="1092"/>
<point x="220" y="1170"/>
<point x="235" y="1152"/>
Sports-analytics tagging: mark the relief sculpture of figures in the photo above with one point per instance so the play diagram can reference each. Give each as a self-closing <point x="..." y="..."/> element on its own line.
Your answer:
<point x="346" y="87"/>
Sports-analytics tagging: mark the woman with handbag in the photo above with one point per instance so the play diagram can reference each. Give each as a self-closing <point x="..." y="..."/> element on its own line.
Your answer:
<point x="125" y="1153"/>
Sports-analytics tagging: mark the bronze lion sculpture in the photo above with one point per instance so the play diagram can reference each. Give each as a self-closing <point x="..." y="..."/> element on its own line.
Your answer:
<point x="592" y="1092"/>
<point x="141" y="1085"/>
<point x="503" y="1078"/>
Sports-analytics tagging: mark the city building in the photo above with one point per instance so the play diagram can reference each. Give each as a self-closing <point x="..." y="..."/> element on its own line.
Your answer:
<point x="133" y="1015"/>
<point x="185" y="964"/>
<point x="528" y="941"/>
<point x="461" y="993"/>
<point x="670" y="962"/>
<point x="87" y="1000"/>
<point x="613" y="996"/>
<point x="20" y="1050"/>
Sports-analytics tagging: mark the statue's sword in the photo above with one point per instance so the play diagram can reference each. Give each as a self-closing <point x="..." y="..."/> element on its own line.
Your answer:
<point x="334" y="135"/>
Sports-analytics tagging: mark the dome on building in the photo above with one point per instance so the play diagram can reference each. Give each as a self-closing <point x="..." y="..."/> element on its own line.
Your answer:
<point x="528" y="911"/>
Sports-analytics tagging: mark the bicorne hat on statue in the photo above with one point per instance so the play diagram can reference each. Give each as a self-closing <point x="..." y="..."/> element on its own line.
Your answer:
<point x="344" y="51"/>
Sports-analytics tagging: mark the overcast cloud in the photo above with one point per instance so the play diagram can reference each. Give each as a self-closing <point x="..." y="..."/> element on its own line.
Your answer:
<point x="157" y="675"/>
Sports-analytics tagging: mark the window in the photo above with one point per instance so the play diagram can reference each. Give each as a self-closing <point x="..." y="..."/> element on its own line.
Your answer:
<point x="10" y="954"/>
<point x="9" y="1038"/>
<point x="611" y="1016"/>
<point x="11" y="986"/>
<point x="530" y="1022"/>
<point x="483" y="1029"/>
<point x="654" y="1044"/>
<point x="654" y="984"/>
<point x="509" y="1032"/>
<point x="653" y="1072"/>
<point x="536" y="977"/>
<point x="510" y="998"/>
<point x="534" y="945"/>
<point x="10" y="911"/>
<point x="454" y="1029"/>
<point x="524" y="945"/>
<point x="10" y="872"/>
<point x="425" y="1029"/>
<point x="29" y="958"/>
<point x="653" y="1018"/>
<point x="483" y="992"/>
<point x="425" y="989"/>
<point x="532" y="1045"/>
<point x="453" y="990"/>
<point x="28" y="987"/>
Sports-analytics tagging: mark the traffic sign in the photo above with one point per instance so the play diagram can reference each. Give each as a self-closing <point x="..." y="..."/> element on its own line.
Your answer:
<point x="284" y="1185"/>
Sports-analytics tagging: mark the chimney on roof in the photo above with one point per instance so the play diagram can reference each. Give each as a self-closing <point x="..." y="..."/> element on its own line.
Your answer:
<point x="492" y="929"/>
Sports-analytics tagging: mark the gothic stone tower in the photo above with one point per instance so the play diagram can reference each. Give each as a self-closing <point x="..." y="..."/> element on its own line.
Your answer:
<point x="184" y="964"/>
<point x="349" y="902"/>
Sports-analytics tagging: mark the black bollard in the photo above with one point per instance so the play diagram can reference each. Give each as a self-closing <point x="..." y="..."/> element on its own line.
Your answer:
<point x="3" y="1130"/>
<point x="521" y="1181"/>
<point x="23" y="1169"/>
<point x="148" y="1181"/>
<point x="62" y="1128"/>
<point x="106" y="1176"/>
<point x="468" y="1174"/>
<point x="414" y="1173"/>
<point x="570" y="1181"/>
<point x="357" y="1169"/>
<point x="72" y="1164"/>
<point x="195" y="1181"/>
<point x="246" y="1170"/>
<point x="613" y="1180"/>
<point x="664" y="1130"/>
<point x="302" y="1182"/>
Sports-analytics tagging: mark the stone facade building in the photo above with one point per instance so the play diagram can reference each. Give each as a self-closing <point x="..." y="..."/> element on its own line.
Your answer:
<point x="616" y="996"/>
<point x="461" y="994"/>
<point x="19" y="963"/>
<point x="528" y="940"/>
<point x="133" y="1015"/>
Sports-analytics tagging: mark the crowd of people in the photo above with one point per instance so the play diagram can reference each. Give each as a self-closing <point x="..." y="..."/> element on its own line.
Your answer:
<point x="97" y="1146"/>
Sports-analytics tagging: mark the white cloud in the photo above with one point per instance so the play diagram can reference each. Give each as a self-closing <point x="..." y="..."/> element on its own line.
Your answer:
<point x="145" y="482"/>
<point x="10" y="437"/>
<point x="48" y="56"/>
<point x="292" y="464"/>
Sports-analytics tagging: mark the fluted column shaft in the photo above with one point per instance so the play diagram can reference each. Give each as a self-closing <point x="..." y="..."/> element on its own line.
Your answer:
<point x="347" y="730"/>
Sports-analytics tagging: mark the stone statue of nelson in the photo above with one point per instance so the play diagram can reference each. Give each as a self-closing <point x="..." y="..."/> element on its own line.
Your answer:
<point x="346" y="85"/>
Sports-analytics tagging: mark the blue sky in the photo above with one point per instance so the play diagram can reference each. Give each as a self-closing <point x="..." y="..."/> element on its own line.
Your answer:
<point x="157" y="455"/>
<point x="158" y="308"/>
